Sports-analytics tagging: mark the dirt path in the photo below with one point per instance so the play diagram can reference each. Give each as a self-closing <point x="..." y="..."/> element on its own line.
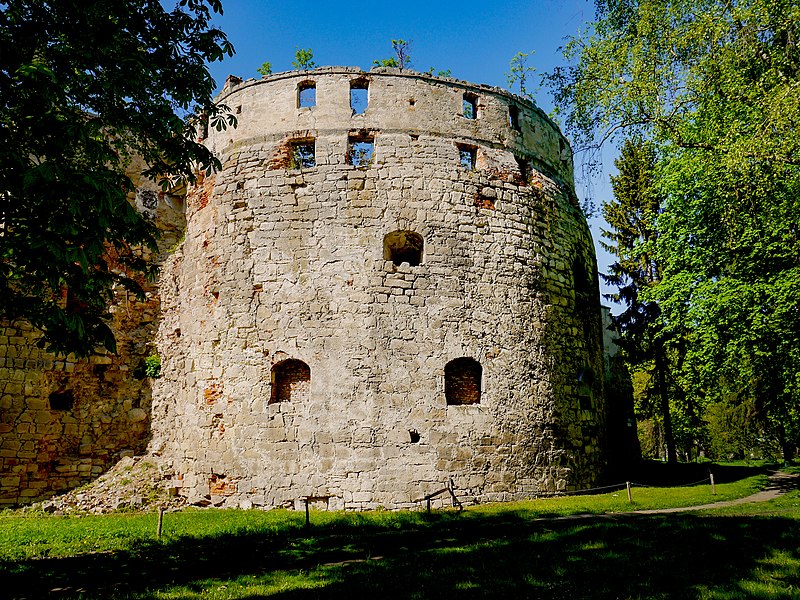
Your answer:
<point x="779" y="484"/>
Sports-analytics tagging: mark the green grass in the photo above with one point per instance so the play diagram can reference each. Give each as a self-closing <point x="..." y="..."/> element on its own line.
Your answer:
<point x="489" y="551"/>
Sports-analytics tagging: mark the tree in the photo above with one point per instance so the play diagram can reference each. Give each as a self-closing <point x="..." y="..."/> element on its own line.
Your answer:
<point x="519" y="72"/>
<point x="85" y="88"/>
<point x="265" y="69"/>
<point x="402" y="58"/>
<point x="632" y="237"/>
<point x="304" y="59"/>
<point x="713" y="84"/>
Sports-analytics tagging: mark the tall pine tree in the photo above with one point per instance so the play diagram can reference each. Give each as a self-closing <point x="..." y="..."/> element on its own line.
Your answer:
<point x="631" y="236"/>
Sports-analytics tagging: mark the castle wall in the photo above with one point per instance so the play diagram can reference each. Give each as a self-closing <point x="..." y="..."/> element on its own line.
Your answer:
<point x="289" y="263"/>
<point x="63" y="420"/>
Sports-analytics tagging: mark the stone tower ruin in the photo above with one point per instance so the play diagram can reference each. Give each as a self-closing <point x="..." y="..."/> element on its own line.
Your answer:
<point x="388" y="286"/>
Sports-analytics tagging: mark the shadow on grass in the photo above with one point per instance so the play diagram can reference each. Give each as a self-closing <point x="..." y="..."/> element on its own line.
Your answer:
<point x="449" y="556"/>
<point x="659" y="474"/>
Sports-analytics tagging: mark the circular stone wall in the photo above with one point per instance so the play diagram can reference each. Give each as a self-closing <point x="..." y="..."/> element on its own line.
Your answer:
<point x="372" y="302"/>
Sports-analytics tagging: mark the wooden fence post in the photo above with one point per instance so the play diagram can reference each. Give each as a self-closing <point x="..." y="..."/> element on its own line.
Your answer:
<point x="630" y="496"/>
<point x="160" y="521"/>
<point x="713" y="487"/>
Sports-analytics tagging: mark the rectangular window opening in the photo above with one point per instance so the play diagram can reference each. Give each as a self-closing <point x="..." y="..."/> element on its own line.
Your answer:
<point x="524" y="170"/>
<point x="470" y="106"/>
<point x="513" y="118"/>
<point x="359" y="96"/>
<point x="303" y="155"/>
<point x="307" y="94"/>
<point x="360" y="150"/>
<point x="467" y="156"/>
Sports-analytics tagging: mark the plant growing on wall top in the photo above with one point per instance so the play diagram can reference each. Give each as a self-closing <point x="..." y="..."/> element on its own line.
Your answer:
<point x="402" y="58"/>
<point x="520" y="73"/>
<point x="304" y="59"/>
<point x="265" y="69"/>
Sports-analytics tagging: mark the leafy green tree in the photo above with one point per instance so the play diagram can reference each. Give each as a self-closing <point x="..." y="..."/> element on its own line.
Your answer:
<point x="632" y="236"/>
<point x="265" y="69"/>
<point x="85" y="88"/>
<point x="402" y="57"/>
<point x="304" y="59"/>
<point x="713" y="83"/>
<point x="519" y="73"/>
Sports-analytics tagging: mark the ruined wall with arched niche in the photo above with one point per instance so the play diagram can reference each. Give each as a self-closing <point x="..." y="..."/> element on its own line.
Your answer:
<point x="353" y="246"/>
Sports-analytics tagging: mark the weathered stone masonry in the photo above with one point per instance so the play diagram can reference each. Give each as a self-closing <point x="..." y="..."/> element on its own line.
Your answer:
<point x="367" y="303"/>
<point x="360" y="330"/>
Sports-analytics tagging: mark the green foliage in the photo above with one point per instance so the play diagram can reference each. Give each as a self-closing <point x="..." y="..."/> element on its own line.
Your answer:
<point x="304" y="59"/>
<point x="519" y="74"/>
<point x="84" y="88"/>
<point x="439" y="73"/>
<point x="265" y="69"/>
<point x="402" y="57"/>
<point x="152" y="366"/>
<point x="713" y="84"/>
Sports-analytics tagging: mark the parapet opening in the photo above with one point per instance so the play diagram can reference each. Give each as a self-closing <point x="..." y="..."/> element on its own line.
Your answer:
<point x="61" y="400"/>
<point x="403" y="246"/>
<point x="359" y="95"/>
<point x="360" y="149"/>
<point x="291" y="381"/>
<point x="469" y="105"/>
<point x="513" y="118"/>
<point x="524" y="170"/>
<point x="303" y="154"/>
<point x="467" y="156"/>
<point x="462" y="381"/>
<point x="306" y="94"/>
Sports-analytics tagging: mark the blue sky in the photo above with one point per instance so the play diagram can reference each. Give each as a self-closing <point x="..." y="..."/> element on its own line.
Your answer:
<point x="475" y="40"/>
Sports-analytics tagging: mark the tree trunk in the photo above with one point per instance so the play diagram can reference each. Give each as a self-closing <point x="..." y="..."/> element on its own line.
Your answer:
<point x="661" y="379"/>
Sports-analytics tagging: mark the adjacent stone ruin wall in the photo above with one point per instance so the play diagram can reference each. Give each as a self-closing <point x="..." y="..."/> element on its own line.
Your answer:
<point x="285" y="263"/>
<point x="63" y="420"/>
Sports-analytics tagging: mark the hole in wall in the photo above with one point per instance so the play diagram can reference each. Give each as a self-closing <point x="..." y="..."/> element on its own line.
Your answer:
<point x="291" y="381"/>
<point x="467" y="156"/>
<point x="413" y="435"/>
<point x="403" y="246"/>
<point x="61" y="400"/>
<point x="469" y="105"/>
<point x="359" y="96"/>
<point x="462" y="381"/>
<point x="306" y="94"/>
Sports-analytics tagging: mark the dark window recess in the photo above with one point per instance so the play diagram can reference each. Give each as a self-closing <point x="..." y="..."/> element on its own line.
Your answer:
<point x="470" y="106"/>
<point x="359" y="96"/>
<point x="303" y="155"/>
<point x="61" y="400"/>
<point x="307" y="94"/>
<point x="291" y="381"/>
<point x="524" y="170"/>
<point x="403" y="246"/>
<point x="462" y="381"/>
<point x="413" y="435"/>
<point x="467" y="156"/>
<point x="580" y="278"/>
<point x="513" y="118"/>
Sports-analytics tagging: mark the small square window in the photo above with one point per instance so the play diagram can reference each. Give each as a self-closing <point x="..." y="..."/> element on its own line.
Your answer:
<point x="467" y="156"/>
<point x="359" y="96"/>
<point x="470" y="106"/>
<point x="307" y="94"/>
<point x="303" y="155"/>
<point x="360" y="151"/>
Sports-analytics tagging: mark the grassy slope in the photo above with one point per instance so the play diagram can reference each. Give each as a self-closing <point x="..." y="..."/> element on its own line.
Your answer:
<point x="487" y="551"/>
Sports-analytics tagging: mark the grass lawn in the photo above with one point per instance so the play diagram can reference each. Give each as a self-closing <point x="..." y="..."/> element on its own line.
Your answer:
<point x="490" y="551"/>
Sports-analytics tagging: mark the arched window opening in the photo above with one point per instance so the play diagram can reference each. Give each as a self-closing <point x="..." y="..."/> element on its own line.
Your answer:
<point x="307" y="94"/>
<point x="403" y="246"/>
<point x="469" y="106"/>
<point x="462" y="381"/>
<point x="291" y="381"/>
